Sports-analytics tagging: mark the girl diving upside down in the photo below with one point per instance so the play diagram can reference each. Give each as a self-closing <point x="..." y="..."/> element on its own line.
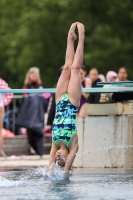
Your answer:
<point x="68" y="94"/>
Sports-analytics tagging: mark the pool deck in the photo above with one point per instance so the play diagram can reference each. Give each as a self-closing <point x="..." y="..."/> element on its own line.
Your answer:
<point x="23" y="161"/>
<point x="33" y="161"/>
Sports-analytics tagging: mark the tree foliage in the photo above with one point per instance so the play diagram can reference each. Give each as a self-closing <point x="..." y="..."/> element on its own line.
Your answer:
<point x="33" y="33"/>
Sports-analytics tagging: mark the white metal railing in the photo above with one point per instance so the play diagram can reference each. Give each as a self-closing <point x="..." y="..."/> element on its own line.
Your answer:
<point x="15" y="108"/>
<point x="85" y="90"/>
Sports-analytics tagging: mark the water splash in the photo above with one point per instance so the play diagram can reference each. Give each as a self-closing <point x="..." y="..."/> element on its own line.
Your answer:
<point x="5" y="183"/>
<point x="57" y="173"/>
<point x="21" y="177"/>
<point x="105" y="148"/>
<point x="31" y="173"/>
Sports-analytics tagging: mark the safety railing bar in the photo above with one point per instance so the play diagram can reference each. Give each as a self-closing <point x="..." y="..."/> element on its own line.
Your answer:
<point x="123" y="83"/>
<point x="85" y="90"/>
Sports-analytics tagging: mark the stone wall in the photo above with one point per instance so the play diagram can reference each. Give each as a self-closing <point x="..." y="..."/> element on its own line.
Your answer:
<point x="105" y="131"/>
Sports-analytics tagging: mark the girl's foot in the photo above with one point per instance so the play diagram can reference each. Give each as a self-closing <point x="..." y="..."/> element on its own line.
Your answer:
<point x="81" y="29"/>
<point x="71" y="33"/>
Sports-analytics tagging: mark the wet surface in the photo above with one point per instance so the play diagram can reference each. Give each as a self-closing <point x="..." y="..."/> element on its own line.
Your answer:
<point x="101" y="184"/>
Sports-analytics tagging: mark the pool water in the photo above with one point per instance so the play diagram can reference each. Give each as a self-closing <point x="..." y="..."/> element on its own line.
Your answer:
<point x="93" y="184"/>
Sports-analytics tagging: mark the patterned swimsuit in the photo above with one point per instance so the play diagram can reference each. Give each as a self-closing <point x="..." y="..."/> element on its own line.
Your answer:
<point x="64" y="125"/>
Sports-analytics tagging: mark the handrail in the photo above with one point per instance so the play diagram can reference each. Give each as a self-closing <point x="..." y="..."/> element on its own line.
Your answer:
<point x="85" y="90"/>
<point x="122" y="83"/>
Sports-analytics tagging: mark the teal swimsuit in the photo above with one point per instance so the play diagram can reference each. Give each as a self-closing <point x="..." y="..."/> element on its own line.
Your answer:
<point x="64" y="125"/>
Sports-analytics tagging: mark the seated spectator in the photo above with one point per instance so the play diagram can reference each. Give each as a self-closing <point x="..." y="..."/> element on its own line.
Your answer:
<point x="5" y="99"/>
<point x="93" y="75"/>
<point x="102" y="77"/>
<point x="36" y="110"/>
<point x="86" y="83"/>
<point x="32" y="79"/>
<point x="111" y="76"/>
<point x="122" y="74"/>
<point x="31" y="116"/>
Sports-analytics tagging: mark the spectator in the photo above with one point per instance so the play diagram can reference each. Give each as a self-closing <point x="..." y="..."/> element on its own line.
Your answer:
<point x="102" y="77"/>
<point x="32" y="79"/>
<point x="122" y="74"/>
<point x="86" y="83"/>
<point x="31" y="115"/>
<point x="93" y="75"/>
<point x="111" y="76"/>
<point x="5" y="99"/>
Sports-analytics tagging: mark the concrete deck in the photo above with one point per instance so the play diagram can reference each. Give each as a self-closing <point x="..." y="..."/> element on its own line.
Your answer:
<point x="23" y="161"/>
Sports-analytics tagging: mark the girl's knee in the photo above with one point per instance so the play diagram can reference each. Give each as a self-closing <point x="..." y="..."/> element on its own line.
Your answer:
<point x="67" y="67"/>
<point x="75" y="66"/>
<point x="66" y="70"/>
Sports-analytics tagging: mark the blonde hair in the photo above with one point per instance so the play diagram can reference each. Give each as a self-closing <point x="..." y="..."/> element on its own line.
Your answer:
<point x="27" y="77"/>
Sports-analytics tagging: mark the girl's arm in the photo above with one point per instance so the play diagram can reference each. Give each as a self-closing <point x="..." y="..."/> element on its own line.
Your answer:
<point x="88" y="84"/>
<point x="70" y="159"/>
<point x="52" y="158"/>
<point x="53" y="151"/>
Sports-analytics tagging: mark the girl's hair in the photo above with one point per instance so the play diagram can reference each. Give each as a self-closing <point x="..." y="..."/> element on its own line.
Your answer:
<point x="60" y="70"/>
<point x="27" y="77"/>
<point x="61" y="163"/>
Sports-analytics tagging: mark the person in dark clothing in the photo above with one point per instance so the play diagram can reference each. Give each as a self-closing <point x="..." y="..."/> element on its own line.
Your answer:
<point x="51" y="112"/>
<point x="86" y="83"/>
<point x="93" y="75"/>
<point x="33" y="81"/>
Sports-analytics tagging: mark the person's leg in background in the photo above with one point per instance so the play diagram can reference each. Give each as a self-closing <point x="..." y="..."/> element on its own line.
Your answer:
<point x="36" y="140"/>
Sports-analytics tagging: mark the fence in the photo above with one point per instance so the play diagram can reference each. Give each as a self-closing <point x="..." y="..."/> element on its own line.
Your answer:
<point x="11" y="112"/>
<point x="18" y="145"/>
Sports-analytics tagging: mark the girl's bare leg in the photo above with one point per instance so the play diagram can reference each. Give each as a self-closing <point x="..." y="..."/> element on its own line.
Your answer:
<point x="1" y="126"/>
<point x="75" y="87"/>
<point x="62" y="85"/>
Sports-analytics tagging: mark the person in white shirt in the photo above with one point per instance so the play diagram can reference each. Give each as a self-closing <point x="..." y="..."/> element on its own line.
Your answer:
<point x="5" y="99"/>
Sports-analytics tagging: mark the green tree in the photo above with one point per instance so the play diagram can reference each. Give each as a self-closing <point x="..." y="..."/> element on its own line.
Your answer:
<point x="33" y="33"/>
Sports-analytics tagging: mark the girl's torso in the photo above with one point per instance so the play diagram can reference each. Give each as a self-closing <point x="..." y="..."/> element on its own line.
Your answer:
<point x="64" y="125"/>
